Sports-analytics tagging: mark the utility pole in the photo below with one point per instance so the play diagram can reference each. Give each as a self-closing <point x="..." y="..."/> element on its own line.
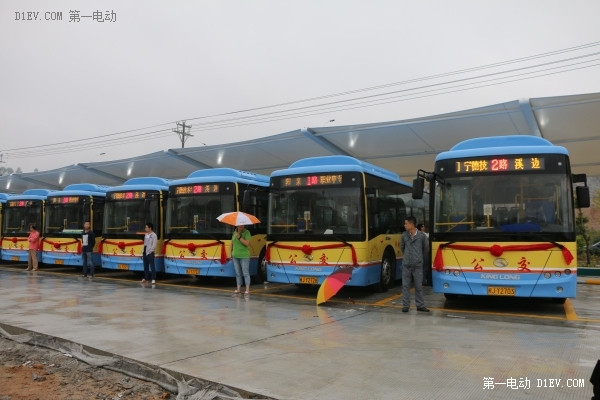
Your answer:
<point x="180" y="131"/>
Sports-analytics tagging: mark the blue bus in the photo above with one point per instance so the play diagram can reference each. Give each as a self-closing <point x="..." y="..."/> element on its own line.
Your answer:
<point x="336" y="211"/>
<point x="502" y="218"/>
<point x="20" y="212"/>
<point x="3" y="197"/>
<point x="127" y="210"/>
<point x="66" y="212"/>
<point x="196" y="242"/>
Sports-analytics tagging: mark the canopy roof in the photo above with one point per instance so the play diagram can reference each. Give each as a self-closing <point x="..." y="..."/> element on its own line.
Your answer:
<point x="401" y="146"/>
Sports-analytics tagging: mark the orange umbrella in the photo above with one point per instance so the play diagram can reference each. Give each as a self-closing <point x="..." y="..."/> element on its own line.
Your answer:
<point x="236" y="218"/>
<point x="333" y="283"/>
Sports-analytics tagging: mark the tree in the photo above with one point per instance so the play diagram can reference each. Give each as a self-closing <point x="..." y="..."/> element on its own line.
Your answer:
<point x="6" y="171"/>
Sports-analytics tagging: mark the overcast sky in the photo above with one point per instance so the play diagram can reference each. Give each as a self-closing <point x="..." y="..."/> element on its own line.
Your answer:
<point x="81" y="91"/>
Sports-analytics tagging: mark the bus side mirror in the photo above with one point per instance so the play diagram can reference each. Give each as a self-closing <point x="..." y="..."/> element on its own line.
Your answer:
<point x="418" y="188"/>
<point x="583" y="196"/>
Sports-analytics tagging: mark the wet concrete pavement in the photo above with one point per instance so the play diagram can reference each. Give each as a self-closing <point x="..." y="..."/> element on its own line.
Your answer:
<point x="289" y="348"/>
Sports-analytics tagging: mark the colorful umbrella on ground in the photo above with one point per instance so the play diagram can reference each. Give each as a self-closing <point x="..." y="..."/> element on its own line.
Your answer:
<point x="238" y="218"/>
<point x="333" y="283"/>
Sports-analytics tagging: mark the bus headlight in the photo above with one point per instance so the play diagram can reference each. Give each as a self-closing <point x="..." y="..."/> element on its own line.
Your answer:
<point x="559" y="289"/>
<point x="547" y="275"/>
<point x="447" y="271"/>
<point x="446" y="286"/>
<point x="557" y="274"/>
<point x="456" y="273"/>
<point x="567" y="271"/>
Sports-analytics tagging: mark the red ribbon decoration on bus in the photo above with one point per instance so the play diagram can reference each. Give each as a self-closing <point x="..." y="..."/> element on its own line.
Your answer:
<point x="497" y="250"/>
<point x="121" y="245"/>
<point x="14" y="239"/>
<point x="57" y="245"/>
<point x="308" y="249"/>
<point x="192" y="247"/>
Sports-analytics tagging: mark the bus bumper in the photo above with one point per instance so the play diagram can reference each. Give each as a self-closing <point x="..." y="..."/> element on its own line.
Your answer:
<point x="205" y="267"/>
<point x="128" y="263"/>
<point x="16" y="255"/>
<point x="72" y="259"/>
<point x="361" y="276"/>
<point x="517" y="285"/>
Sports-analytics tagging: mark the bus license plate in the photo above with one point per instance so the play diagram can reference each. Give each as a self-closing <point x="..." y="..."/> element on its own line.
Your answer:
<point x="501" y="291"/>
<point x="192" y="271"/>
<point x="123" y="266"/>
<point x="15" y="258"/>
<point x="310" y="280"/>
<point x="59" y="262"/>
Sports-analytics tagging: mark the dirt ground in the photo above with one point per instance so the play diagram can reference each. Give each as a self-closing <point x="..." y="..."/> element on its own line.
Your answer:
<point x="30" y="370"/>
<point x="28" y="373"/>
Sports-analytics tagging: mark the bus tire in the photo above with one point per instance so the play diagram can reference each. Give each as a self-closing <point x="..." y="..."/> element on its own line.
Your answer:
<point x="261" y="269"/>
<point x="387" y="274"/>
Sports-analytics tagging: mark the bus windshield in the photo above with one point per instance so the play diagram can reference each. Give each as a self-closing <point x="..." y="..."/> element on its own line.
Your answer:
<point x="129" y="217"/>
<point x="18" y="219"/>
<point x="506" y="204"/>
<point x="319" y="211"/>
<point x="193" y="215"/>
<point x="61" y="217"/>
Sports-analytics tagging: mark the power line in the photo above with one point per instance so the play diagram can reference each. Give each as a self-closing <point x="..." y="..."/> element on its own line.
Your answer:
<point x="434" y="89"/>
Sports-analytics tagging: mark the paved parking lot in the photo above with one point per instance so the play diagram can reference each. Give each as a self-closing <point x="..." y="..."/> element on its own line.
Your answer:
<point x="278" y="343"/>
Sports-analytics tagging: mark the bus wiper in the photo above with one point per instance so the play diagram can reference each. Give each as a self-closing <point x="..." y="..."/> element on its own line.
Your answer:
<point x="212" y="237"/>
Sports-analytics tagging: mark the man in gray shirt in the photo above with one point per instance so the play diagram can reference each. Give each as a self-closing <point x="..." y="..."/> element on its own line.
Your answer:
<point x="415" y="246"/>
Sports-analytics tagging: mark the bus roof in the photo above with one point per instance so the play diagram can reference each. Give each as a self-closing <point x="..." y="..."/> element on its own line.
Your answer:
<point x="223" y="175"/>
<point x="81" y="189"/>
<point x="30" y="194"/>
<point x="501" y="145"/>
<point x="88" y="187"/>
<point x="142" y="183"/>
<point x="14" y="197"/>
<point x="337" y="164"/>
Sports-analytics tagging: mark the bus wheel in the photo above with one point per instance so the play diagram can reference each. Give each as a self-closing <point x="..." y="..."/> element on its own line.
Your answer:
<point x="386" y="278"/>
<point x="261" y="269"/>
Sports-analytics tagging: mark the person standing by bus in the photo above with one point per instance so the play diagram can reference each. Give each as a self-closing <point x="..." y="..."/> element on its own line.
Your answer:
<point x="88" y="241"/>
<point x="240" y="253"/>
<point x="148" y="253"/>
<point x="34" y="242"/>
<point x="415" y="246"/>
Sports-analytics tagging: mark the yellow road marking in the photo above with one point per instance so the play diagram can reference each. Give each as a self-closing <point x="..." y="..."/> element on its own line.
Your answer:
<point x="570" y="311"/>
<point x="592" y="281"/>
<point x="387" y="300"/>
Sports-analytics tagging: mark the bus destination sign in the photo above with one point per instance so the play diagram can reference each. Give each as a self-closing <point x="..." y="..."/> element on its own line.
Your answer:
<point x="503" y="164"/>
<point x="64" y="200"/>
<point x="127" y="195"/>
<point x="196" y="189"/>
<point x="20" y="203"/>
<point x="312" y="180"/>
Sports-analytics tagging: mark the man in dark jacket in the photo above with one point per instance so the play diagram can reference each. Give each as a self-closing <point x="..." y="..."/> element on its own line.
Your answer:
<point x="415" y="247"/>
<point x="88" y="241"/>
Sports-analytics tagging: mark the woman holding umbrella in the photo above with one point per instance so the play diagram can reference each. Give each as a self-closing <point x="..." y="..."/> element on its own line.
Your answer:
<point x="240" y="243"/>
<point x="240" y="254"/>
